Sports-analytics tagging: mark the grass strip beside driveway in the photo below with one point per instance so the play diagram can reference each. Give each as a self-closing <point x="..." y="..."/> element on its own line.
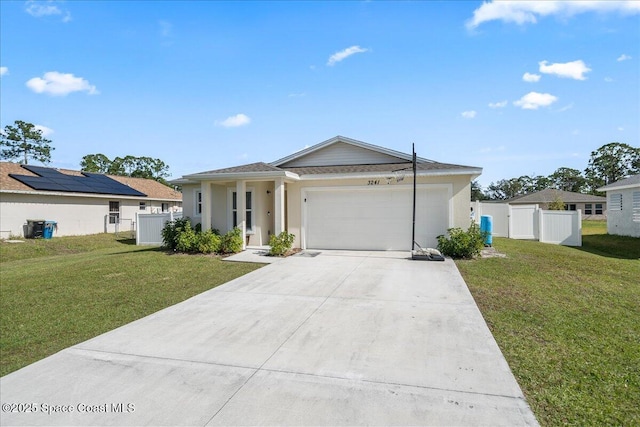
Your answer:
<point x="49" y="303"/>
<point x="568" y="322"/>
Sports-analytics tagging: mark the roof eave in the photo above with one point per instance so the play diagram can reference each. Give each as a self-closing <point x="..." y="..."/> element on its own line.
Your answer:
<point x="474" y="172"/>
<point x="248" y="176"/>
<point x="92" y="195"/>
<point x="617" y="187"/>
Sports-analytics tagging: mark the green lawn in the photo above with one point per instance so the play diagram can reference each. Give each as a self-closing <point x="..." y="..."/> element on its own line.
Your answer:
<point x="568" y="322"/>
<point x="91" y="285"/>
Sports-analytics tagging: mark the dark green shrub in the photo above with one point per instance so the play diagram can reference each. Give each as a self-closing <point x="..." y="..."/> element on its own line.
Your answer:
<point x="187" y="240"/>
<point x="207" y="242"/>
<point x="172" y="230"/>
<point x="281" y="244"/>
<point x="462" y="244"/>
<point x="231" y="242"/>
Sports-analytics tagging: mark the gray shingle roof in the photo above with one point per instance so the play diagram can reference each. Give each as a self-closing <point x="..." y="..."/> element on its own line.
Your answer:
<point x="550" y="194"/>
<point x="387" y="167"/>
<point x="632" y="180"/>
<point x="251" y="167"/>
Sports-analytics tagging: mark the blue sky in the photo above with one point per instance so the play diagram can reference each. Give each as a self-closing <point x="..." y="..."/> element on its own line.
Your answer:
<point x="513" y="87"/>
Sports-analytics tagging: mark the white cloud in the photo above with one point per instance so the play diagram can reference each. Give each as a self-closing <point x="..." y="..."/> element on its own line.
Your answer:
<point x="234" y="121"/>
<point x="608" y="79"/>
<point x="3" y="71"/>
<point x="343" y="54"/>
<point x="500" y="104"/>
<point x="565" y="108"/>
<point x="39" y="9"/>
<point x="535" y="100"/>
<point x="623" y="57"/>
<point x="574" y="70"/>
<point x="469" y="114"/>
<point x="620" y="128"/>
<point x="60" y="84"/>
<point x="528" y="12"/>
<point x="45" y="130"/>
<point x="165" y="28"/>
<point x="531" y="78"/>
<point x="297" y="95"/>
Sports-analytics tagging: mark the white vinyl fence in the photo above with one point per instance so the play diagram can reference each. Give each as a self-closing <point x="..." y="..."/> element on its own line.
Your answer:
<point x="149" y="229"/>
<point x="529" y="222"/>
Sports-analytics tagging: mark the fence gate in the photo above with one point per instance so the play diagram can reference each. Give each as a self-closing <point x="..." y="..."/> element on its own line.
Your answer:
<point x="523" y="223"/>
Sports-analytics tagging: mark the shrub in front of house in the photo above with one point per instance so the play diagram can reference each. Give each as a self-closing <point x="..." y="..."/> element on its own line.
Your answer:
<point x="172" y="231"/>
<point x="231" y="242"/>
<point x="281" y="244"/>
<point x="458" y="243"/>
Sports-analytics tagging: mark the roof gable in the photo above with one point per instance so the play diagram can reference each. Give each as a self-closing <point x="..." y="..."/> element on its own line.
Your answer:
<point x="342" y="151"/>
<point x="630" y="182"/>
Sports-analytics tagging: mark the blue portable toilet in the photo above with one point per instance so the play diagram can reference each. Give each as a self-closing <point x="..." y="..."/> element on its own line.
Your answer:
<point x="486" y="225"/>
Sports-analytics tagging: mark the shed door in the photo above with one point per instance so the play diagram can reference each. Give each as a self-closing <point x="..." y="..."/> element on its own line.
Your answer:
<point x="374" y="219"/>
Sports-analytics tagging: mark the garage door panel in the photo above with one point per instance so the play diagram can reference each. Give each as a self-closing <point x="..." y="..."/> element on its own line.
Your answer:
<point x="377" y="219"/>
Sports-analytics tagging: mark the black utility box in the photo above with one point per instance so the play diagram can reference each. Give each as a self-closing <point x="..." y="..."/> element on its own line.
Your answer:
<point x="35" y="228"/>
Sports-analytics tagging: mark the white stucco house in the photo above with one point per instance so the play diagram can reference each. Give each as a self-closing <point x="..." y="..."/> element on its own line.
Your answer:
<point x="592" y="207"/>
<point x="80" y="203"/>
<point x="338" y="194"/>
<point x="623" y="201"/>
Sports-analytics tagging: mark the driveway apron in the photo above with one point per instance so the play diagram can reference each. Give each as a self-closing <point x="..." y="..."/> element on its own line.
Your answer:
<point x="319" y="338"/>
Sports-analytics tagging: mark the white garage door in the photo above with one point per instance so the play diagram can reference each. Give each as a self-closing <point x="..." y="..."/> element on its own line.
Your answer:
<point x="374" y="219"/>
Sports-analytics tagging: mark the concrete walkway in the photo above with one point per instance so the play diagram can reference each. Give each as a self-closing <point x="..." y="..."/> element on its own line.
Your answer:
<point x="330" y="338"/>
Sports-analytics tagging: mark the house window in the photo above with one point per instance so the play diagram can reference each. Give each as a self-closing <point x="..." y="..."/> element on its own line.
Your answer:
<point x="588" y="209"/>
<point x="143" y="206"/>
<point x="165" y="207"/>
<point x="636" y="206"/>
<point x="571" y="207"/>
<point x="249" y="209"/>
<point x="598" y="208"/>
<point x="198" y="204"/>
<point x="114" y="212"/>
<point x="615" y="202"/>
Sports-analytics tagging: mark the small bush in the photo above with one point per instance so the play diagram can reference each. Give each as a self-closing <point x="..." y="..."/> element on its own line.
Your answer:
<point x="208" y="242"/>
<point x="231" y="242"/>
<point x="281" y="244"/>
<point x="187" y="240"/>
<point x="172" y="230"/>
<point x="462" y="244"/>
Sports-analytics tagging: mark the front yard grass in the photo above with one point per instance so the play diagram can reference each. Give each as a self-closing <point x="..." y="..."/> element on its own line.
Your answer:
<point x="568" y="322"/>
<point x="94" y="284"/>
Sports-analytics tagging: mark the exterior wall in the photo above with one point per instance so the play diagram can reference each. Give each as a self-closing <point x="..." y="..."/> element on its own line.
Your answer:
<point x="74" y="215"/>
<point x="621" y="222"/>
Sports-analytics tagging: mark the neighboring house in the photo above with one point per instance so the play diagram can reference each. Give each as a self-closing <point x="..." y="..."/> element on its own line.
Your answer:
<point x="592" y="207"/>
<point x="80" y="203"/>
<point x="624" y="206"/>
<point x="338" y="194"/>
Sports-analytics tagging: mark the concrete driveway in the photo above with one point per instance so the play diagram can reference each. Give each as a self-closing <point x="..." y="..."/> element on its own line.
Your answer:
<point x="340" y="338"/>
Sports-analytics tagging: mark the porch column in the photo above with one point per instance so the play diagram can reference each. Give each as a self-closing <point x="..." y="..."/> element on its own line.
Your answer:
<point x="279" y="206"/>
<point x="241" y="209"/>
<point x="205" y="193"/>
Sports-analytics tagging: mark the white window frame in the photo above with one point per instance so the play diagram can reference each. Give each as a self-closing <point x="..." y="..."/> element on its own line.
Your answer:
<point x="601" y="208"/>
<point x="588" y="208"/>
<point x="230" y="210"/>
<point x="197" y="203"/>
<point x="114" y="216"/>
<point x="143" y="206"/>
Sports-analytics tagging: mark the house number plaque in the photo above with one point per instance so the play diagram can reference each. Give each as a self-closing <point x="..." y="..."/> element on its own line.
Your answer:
<point x="373" y="182"/>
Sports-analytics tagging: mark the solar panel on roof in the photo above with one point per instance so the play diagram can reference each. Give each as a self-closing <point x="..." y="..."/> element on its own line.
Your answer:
<point x="52" y="180"/>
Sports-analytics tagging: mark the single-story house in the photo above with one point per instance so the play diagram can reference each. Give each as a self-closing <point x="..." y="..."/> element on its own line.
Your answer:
<point x="80" y="202"/>
<point x="592" y="207"/>
<point x="623" y="197"/>
<point x="338" y="194"/>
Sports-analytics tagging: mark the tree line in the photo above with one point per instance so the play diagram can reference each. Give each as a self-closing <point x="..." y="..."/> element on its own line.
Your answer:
<point x="607" y="164"/>
<point x="24" y="141"/>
